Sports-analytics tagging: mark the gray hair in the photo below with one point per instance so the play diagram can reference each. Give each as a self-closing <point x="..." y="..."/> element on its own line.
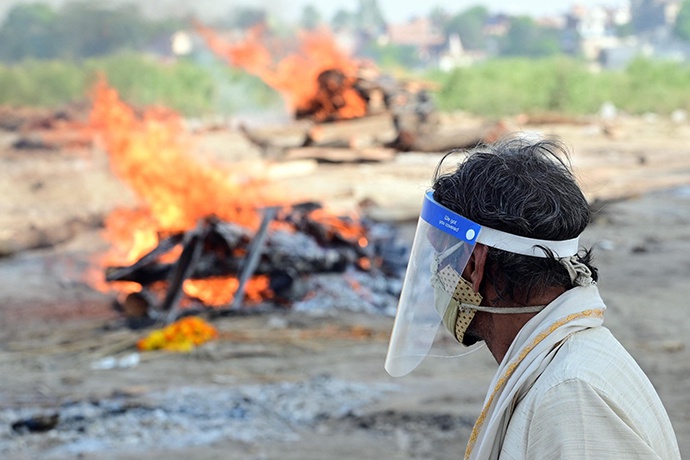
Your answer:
<point x="525" y="188"/>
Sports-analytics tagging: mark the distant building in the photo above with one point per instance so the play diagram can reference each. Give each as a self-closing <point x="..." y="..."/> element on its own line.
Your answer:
<point x="497" y="25"/>
<point x="593" y="33"/>
<point x="652" y="23"/>
<point x="457" y="56"/>
<point x="649" y="17"/>
<point x="420" y="33"/>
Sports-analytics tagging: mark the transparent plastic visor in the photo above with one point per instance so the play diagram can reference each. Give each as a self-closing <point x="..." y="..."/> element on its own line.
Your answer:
<point x="443" y="238"/>
<point x="443" y="243"/>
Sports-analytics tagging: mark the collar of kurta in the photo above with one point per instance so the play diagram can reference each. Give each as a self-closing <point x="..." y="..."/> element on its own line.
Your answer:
<point x="530" y="353"/>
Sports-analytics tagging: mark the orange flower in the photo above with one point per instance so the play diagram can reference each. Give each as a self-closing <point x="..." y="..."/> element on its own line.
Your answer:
<point x="182" y="335"/>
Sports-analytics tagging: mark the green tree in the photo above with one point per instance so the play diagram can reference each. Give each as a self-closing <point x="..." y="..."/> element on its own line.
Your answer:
<point x="392" y="56"/>
<point x="682" y="26"/>
<point x="439" y="17"/>
<point x="625" y="30"/>
<point x="28" y="31"/>
<point x="244" y="17"/>
<point x="527" y="38"/>
<point x="469" y="25"/>
<point x="86" y="29"/>
<point x="369" y="18"/>
<point x="311" y="18"/>
<point x="343" y="19"/>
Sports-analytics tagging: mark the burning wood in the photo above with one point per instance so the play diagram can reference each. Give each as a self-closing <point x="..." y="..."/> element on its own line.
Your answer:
<point x="320" y="83"/>
<point x="336" y="98"/>
<point x="316" y="79"/>
<point x="200" y="238"/>
<point x="291" y="243"/>
<point x="347" y="100"/>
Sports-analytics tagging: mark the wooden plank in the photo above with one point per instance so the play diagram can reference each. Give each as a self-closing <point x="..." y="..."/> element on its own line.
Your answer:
<point x="367" y="131"/>
<point x="446" y="140"/>
<point x="341" y="155"/>
<point x="284" y="136"/>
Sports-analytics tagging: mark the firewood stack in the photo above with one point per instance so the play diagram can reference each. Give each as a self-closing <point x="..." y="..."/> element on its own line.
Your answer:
<point x="368" y="118"/>
<point x="45" y="129"/>
<point x="292" y="244"/>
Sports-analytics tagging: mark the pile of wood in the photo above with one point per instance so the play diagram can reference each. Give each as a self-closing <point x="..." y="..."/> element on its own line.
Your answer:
<point x="303" y="243"/>
<point x="47" y="129"/>
<point x="399" y="117"/>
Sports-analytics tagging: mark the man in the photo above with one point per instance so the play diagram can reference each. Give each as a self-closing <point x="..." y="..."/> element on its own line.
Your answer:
<point x="496" y="258"/>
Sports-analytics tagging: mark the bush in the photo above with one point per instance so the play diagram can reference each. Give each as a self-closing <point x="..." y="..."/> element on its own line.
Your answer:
<point x="499" y="87"/>
<point x="142" y="81"/>
<point x="653" y="86"/>
<point x="564" y="85"/>
<point x="185" y="86"/>
<point x="41" y="83"/>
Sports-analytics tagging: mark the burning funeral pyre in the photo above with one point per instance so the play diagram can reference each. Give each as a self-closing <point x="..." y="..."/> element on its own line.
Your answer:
<point x="205" y="238"/>
<point x="317" y="81"/>
<point x="322" y="84"/>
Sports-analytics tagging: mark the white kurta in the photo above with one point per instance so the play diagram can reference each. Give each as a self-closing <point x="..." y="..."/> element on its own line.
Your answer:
<point x="567" y="388"/>
<point x="592" y="402"/>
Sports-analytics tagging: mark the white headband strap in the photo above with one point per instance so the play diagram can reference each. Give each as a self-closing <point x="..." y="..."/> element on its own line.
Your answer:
<point x="527" y="246"/>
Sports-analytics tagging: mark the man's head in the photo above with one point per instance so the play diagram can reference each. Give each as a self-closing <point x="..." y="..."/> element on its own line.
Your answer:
<point x="527" y="189"/>
<point x="497" y="242"/>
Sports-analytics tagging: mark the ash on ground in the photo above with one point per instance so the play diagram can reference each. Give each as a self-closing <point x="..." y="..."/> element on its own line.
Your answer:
<point x="189" y="416"/>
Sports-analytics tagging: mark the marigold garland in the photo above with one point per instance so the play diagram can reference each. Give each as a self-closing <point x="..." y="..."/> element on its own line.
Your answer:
<point x="181" y="336"/>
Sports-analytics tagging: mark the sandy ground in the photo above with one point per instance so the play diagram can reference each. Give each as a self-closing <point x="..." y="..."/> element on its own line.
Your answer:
<point x="54" y="327"/>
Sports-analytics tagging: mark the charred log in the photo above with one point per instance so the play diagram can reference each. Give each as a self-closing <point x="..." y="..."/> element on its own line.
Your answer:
<point x="193" y="244"/>
<point x="253" y="255"/>
<point x="282" y="251"/>
<point x="287" y="285"/>
<point x="149" y="259"/>
<point x="306" y="241"/>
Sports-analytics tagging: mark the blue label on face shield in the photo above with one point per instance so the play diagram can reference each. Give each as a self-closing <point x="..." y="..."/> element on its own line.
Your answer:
<point x="448" y="221"/>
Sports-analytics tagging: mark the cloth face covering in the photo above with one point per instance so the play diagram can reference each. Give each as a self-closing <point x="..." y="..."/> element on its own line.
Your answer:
<point x="453" y="297"/>
<point x="457" y="302"/>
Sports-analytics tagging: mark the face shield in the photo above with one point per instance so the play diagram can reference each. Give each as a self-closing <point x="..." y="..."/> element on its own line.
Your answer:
<point x="441" y="248"/>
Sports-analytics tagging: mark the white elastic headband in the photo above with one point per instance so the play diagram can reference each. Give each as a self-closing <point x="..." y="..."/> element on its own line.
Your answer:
<point x="527" y="246"/>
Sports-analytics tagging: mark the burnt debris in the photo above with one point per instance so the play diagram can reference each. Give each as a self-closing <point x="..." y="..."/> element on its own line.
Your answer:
<point x="291" y="245"/>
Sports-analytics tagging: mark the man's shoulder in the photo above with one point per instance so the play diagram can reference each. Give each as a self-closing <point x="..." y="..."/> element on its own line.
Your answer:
<point x="592" y="355"/>
<point x="591" y="390"/>
<point x="594" y="359"/>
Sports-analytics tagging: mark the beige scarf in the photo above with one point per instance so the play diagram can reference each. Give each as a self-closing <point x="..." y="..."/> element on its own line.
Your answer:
<point x="530" y="353"/>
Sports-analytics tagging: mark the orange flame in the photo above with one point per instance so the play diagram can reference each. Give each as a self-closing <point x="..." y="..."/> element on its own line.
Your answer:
<point x="149" y="153"/>
<point x="221" y="291"/>
<point x="348" y="228"/>
<point x="296" y="75"/>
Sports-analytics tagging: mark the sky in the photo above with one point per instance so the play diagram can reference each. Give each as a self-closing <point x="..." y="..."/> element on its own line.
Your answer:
<point x="393" y="10"/>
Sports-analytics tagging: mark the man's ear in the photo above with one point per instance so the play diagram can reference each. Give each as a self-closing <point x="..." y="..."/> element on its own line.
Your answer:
<point x="475" y="266"/>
